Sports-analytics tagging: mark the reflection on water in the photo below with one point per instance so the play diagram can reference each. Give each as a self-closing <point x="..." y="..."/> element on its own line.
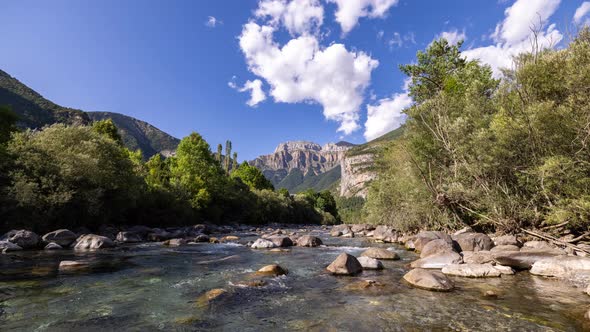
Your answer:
<point x="150" y="287"/>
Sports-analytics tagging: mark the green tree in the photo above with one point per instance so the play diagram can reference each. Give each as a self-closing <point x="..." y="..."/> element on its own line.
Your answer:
<point x="219" y="155"/>
<point x="227" y="156"/>
<point x="108" y="128"/>
<point x="251" y="176"/>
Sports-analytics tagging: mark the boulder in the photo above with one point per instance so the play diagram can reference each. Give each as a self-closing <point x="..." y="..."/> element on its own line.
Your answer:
<point x="229" y="238"/>
<point x="174" y="242"/>
<point x="93" y="241"/>
<point x="464" y="230"/>
<point x="385" y="234"/>
<point x="357" y="228"/>
<point x="537" y="245"/>
<point x="505" y="247"/>
<point x="128" y="237"/>
<point x="6" y="246"/>
<point x="345" y="264"/>
<point x="340" y="230"/>
<point x="437" y="261"/>
<point x="263" y="244"/>
<point x="201" y="238"/>
<point x="141" y="230"/>
<point x="22" y="238"/>
<point x="63" y="237"/>
<point x="507" y="270"/>
<point x="479" y="257"/>
<point x="210" y="296"/>
<point x="309" y="241"/>
<point x="159" y="235"/>
<point x="473" y="242"/>
<point x="507" y="240"/>
<point x="380" y="253"/>
<point x="273" y="269"/>
<point x="422" y="238"/>
<point x="471" y="270"/>
<point x="53" y="246"/>
<point x="281" y="241"/>
<point x="435" y="247"/>
<point x="429" y="280"/>
<point x="521" y="260"/>
<point x="561" y="266"/>
<point x="369" y="263"/>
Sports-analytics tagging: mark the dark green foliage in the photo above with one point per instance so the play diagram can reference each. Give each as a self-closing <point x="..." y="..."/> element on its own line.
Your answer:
<point x="252" y="177"/>
<point x="319" y="182"/>
<point x="350" y="209"/>
<point x="107" y="128"/>
<point x="292" y="180"/>
<point x="7" y="123"/>
<point x="228" y="162"/>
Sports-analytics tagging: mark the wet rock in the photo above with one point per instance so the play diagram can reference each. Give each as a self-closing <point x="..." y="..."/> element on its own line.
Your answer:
<point x="521" y="260"/>
<point x="435" y="247"/>
<point x="252" y="283"/>
<point x="562" y="267"/>
<point x="141" y="230"/>
<point x="210" y="296"/>
<point x="474" y="242"/>
<point x="471" y="270"/>
<point x="159" y="235"/>
<point x="506" y="270"/>
<point x="63" y="237"/>
<point x="357" y="228"/>
<point x="464" y="230"/>
<point x="53" y="246"/>
<point x="229" y="238"/>
<point x="281" y="241"/>
<point x="345" y="264"/>
<point x="22" y="238"/>
<point x="128" y="237"/>
<point x="73" y="266"/>
<point x="279" y="250"/>
<point x="479" y="257"/>
<point x="273" y="269"/>
<point x="93" y="241"/>
<point x="364" y="285"/>
<point x="213" y="239"/>
<point x="340" y="230"/>
<point x="201" y="238"/>
<point x="429" y="280"/>
<point x="422" y="238"/>
<point x="263" y="244"/>
<point x="174" y="242"/>
<point x="507" y="240"/>
<point x="7" y="246"/>
<point x="380" y="253"/>
<point x="437" y="261"/>
<point x="505" y="247"/>
<point x="348" y="235"/>
<point x="385" y="234"/>
<point x="309" y="241"/>
<point x="490" y="293"/>
<point x="369" y="263"/>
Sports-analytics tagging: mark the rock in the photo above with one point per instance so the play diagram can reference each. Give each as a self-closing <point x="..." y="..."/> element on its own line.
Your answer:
<point x="437" y="261"/>
<point x="385" y="234"/>
<point x="22" y="238"/>
<point x="92" y="242"/>
<point x="159" y="235"/>
<point x="213" y="239"/>
<point x="263" y="244"/>
<point x="335" y="233"/>
<point x="562" y="267"/>
<point x="63" y="237"/>
<point x="364" y="285"/>
<point x="429" y="280"/>
<point x="210" y="296"/>
<point x="348" y="235"/>
<point x="357" y="228"/>
<point x="175" y="242"/>
<point x="536" y="245"/>
<point x="474" y="242"/>
<point x="128" y="237"/>
<point x="490" y="293"/>
<point x="108" y="231"/>
<point x="141" y="230"/>
<point x="7" y="246"/>
<point x="73" y="266"/>
<point x="422" y="238"/>
<point x="471" y="270"/>
<point x="281" y="241"/>
<point x="201" y="238"/>
<point x="505" y="247"/>
<point x="229" y="238"/>
<point x="380" y="253"/>
<point x="507" y="270"/>
<point x="273" y="269"/>
<point x="521" y="260"/>
<point x="345" y="264"/>
<point x="507" y="240"/>
<point x="53" y="246"/>
<point x="340" y="230"/>
<point x="435" y="247"/>
<point x="309" y="241"/>
<point x="479" y="257"/>
<point x="369" y="263"/>
<point x="588" y="290"/>
<point x="464" y="230"/>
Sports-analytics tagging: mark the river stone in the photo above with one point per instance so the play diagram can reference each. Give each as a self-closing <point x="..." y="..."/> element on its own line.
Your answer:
<point x="281" y="241"/>
<point x="23" y="238"/>
<point x="436" y="246"/>
<point x="380" y="253"/>
<point x="474" y="242"/>
<point x="209" y="296"/>
<point x="536" y="245"/>
<point x="521" y="260"/>
<point x="93" y="241"/>
<point x="141" y="230"/>
<point x="128" y="237"/>
<point x="369" y="263"/>
<point x="471" y="270"/>
<point x="385" y="234"/>
<point x="262" y="244"/>
<point x="479" y="257"/>
<point x="561" y="267"/>
<point x="340" y="230"/>
<point x="273" y="269"/>
<point x="345" y="264"/>
<point x="507" y="240"/>
<point x="505" y="247"/>
<point x="73" y="266"/>
<point x="53" y="246"/>
<point x="357" y="228"/>
<point x="174" y="242"/>
<point x="309" y="241"/>
<point x="201" y="238"/>
<point x="229" y="238"/>
<point x="63" y="237"/>
<point x="6" y="246"/>
<point x="464" y="230"/>
<point x="507" y="270"/>
<point x="364" y="285"/>
<point x="437" y="261"/>
<point x="429" y="280"/>
<point x="422" y="238"/>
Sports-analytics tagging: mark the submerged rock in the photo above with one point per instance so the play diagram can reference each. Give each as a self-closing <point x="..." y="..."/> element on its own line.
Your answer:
<point x="73" y="266"/>
<point x="437" y="261"/>
<point x="429" y="280"/>
<point x="369" y="263"/>
<point x="22" y="238"/>
<point x="63" y="237"/>
<point x="380" y="253"/>
<point x="364" y="285"/>
<point x="471" y="270"/>
<point x="345" y="264"/>
<point x="309" y="241"/>
<point x="53" y="246"/>
<point x="175" y="242"/>
<point x="474" y="241"/>
<point x="561" y="267"/>
<point x="273" y="269"/>
<point x="6" y="246"/>
<point x="210" y="296"/>
<point x="262" y="244"/>
<point x="93" y="241"/>
<point x="522" y="260"/>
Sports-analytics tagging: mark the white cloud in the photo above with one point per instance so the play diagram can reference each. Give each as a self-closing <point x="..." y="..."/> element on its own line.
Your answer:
<point x="453" y="36"/>
<point x="581" y="12"/>
<point x="298" y="16"/>
<point x="396" y="40"/>
<point x="349" y="11"/>
<point x="514" y="34"/>
<point x="387" y="114"/>
<point x="212" y="22"/>
<point x="257" y="95"/>
<point x="304" y="71"/>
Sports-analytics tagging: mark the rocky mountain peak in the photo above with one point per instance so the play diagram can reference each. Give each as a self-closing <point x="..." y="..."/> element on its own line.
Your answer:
<point x="297" y="145"/>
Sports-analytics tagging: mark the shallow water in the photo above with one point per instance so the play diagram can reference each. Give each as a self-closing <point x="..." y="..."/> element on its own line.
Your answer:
<point x="149" y="287"/>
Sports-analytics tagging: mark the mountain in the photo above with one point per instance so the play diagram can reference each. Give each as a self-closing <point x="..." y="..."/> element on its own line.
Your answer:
<point x="35" y="112"/>
<point x="301" y="165"/>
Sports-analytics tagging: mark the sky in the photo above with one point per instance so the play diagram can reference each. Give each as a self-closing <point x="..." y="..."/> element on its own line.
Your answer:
<point x="259" y="72"/>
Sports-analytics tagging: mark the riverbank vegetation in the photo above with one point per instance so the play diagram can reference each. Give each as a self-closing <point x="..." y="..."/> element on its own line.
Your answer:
<point x="494" y="154"/>
<point x="83" y="176"/>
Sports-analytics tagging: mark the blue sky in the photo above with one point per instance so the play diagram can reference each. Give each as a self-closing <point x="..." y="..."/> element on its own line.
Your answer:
<point x="170" y="64"/>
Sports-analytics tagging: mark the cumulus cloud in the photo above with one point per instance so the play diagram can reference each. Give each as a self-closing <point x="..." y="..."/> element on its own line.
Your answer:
<point x="298" y="16"/>
<point x="387" y="114"/>
<point x="581" y="12"/>
<point x="212" y="22"/>
<point x="257" y="95"/>
<point x="515" y="34"/>
<point x="349" y="11"/>
<point x="453" y="36"/>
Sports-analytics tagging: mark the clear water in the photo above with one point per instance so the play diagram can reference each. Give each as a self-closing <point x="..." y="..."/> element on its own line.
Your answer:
<point x="149" y="287"/>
